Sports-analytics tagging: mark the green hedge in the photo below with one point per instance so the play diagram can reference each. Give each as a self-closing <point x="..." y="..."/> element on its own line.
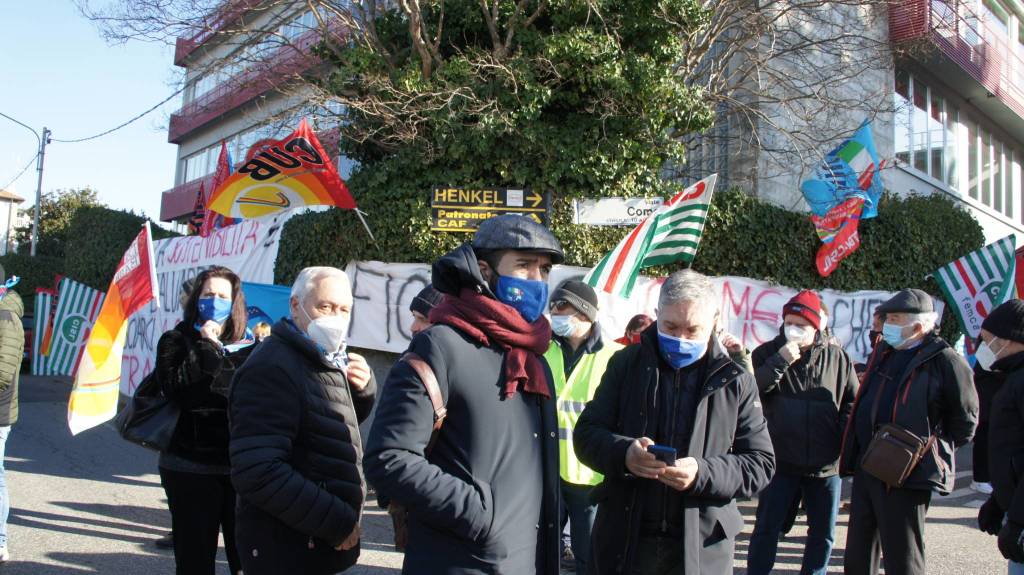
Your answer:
<point x="744" y="236"/>
<point x="35" y="272"/>
<point x="97" y="238"/>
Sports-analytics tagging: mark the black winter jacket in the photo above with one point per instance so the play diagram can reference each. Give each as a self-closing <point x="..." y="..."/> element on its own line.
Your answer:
<point x="296" y="457"/>
<point x="195" y="373"/>
<point x="807" y="404"/>
<point x="1006" y="439"/>
<point x="729" y="440"/>
<point x="936" y="397"/>
<point x="486" y="499"/>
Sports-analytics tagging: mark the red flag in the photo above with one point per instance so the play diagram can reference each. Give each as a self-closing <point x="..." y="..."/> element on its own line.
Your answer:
<point x="844" y="242"/>
<point x="1019" y="279"/>
<point x="212" y="220"/>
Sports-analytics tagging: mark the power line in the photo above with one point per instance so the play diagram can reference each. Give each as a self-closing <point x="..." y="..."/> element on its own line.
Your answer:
<point x="119" y="126"/>
<point x="21" y="173"/>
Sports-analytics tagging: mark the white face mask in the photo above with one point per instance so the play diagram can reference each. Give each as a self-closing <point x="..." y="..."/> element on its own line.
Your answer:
<point x="797" y="333"/>
<point x="327" y="331"/>
<point x="564" y="325"/>
<point x="985" y="356"/>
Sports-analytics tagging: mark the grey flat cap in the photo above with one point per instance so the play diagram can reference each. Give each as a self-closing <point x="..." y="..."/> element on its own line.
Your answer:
<point x="512" y="232"/>
<point x="908" y="301"/>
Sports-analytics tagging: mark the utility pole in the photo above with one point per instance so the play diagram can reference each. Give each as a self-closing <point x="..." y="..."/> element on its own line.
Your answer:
<point x="39" y="187"/>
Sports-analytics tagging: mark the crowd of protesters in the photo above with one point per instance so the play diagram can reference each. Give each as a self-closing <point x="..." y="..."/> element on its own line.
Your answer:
<point x="512" y="415"/>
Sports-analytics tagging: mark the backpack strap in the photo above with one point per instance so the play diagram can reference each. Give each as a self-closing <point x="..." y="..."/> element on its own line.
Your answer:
<point x="426" y="375"/>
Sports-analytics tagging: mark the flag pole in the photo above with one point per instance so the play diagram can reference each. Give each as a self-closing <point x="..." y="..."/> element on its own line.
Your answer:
<point x="365" y="225"/>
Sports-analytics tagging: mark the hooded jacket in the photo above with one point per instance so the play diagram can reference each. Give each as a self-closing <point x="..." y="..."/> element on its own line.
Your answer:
<point x="729" y="439"/>
<point x="12" y="348"/>
<point x="1006" y="438"/>
<point x="936" y="398"/>
<point x="486" y="498"/>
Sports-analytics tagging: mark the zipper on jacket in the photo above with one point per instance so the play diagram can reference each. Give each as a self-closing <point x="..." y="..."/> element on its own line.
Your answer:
<point x="312" y="543"/>
<point x="631" y="510"/>
<point x="671" y="439"/>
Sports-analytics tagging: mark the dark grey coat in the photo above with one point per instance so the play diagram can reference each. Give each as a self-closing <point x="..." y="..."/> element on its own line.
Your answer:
<point x="486" y="499"/>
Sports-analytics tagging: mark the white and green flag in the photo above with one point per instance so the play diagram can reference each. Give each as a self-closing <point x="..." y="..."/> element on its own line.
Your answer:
<point x="977" y="283"/>
<point x="669" y="235"/>
<point x="60" y="344"/>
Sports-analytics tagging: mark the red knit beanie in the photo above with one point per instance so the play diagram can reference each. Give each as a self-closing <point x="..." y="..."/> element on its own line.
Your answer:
<point x="807" y="305"/>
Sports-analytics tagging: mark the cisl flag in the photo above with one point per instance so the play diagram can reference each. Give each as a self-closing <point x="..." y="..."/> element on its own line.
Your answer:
<point x="979" y="282"/>
<point x="94" y="396"/>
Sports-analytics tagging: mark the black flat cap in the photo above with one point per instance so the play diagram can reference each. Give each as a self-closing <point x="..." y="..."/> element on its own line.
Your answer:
<point x="512" y="232"/>
<point x="908" y="301"/>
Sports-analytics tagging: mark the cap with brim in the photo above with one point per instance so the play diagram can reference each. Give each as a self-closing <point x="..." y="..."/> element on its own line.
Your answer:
<point x="908" y="301"/>
<point x="512" y="232"/>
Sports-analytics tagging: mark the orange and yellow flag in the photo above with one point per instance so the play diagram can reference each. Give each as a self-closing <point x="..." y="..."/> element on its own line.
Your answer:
<point x="288" y="173"/>
<point x="97" y="382"/>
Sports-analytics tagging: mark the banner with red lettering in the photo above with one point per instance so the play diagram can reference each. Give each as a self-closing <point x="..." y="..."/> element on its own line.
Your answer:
<point x="750" y="309"/>
<point x="249" y="248"/>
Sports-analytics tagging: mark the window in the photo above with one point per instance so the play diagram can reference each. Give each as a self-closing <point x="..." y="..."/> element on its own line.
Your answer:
<point x="996" y="17"/>
<point x="925" y="129"/>
<point x="972" y="159"/>
<point x="993" y="170"/>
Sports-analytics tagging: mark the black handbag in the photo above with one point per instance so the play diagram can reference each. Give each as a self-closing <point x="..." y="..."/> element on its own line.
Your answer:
<point x="149" y="419"/>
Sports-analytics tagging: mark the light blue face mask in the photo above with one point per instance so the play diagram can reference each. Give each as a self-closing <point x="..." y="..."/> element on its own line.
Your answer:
<point x="893" y="334"/>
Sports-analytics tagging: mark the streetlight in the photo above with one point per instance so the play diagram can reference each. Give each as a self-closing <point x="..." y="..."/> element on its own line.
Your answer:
<point x="45" y="139"/>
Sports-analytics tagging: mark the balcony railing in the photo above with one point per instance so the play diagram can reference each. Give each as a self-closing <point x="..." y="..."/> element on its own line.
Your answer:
<point x="228" y="13"/>
<point x="977" y="46"/>
<point x="287" y="62"/>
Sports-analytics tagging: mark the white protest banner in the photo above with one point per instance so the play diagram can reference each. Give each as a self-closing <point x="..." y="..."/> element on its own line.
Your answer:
<point x="614" y="211"/>
<point x="249" y="248"/>
<point x="750" y="309"/>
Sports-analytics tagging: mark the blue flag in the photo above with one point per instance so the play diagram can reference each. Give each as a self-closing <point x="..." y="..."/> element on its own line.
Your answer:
<point x="850" y="170"/>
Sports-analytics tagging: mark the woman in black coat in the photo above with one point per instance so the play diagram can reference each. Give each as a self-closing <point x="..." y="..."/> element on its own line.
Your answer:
<point x="194" y="370"/>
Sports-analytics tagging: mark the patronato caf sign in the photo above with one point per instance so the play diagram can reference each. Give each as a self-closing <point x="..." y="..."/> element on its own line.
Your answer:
<point x="462" y="209"/>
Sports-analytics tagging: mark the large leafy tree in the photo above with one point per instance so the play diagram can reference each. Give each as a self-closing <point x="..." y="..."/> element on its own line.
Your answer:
<point x="56" y="210"/>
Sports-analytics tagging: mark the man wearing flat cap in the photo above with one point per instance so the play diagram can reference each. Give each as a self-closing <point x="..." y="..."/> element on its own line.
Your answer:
<point x="578" y="357"/>
<point x="916" y="382"/>
<point x="1001" y="352"/>
<point x="484" y="498"/>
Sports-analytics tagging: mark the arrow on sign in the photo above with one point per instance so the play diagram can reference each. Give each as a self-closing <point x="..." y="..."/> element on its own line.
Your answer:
<point x="536" y="218"/>
<point x="536" y="199"/>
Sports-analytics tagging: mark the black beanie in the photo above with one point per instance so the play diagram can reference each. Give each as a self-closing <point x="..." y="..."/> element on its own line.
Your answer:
<point x="580" y="295"/>
<point x="426" y="300"/>
<point x="1006" y="321"/>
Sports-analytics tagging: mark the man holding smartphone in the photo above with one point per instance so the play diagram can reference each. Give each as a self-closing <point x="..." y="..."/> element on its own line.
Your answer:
<point x="679" y="390"/>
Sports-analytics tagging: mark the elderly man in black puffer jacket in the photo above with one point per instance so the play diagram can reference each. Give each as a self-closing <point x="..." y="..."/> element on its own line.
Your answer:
<point x="296" y="453"/>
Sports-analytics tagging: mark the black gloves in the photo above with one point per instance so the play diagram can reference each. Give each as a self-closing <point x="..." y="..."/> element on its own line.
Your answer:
<point x="1009" y="542"/>
<point x="990" y="517"/>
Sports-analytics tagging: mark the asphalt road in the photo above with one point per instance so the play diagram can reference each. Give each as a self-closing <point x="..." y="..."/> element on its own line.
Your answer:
<point x="93" y="504"/>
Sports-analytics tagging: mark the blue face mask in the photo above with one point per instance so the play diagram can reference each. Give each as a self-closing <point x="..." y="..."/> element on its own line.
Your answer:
<point x="679" y="352"/>
<point x="528" y="297"/>
<point x="214" y="308"/>
<point x="893" y="334"/>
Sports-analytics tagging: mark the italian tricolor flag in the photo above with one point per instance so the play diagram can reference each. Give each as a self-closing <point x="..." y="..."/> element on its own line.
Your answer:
<point x="669" y="235"/>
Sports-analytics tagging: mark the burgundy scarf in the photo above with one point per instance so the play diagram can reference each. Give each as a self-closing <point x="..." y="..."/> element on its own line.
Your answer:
<point x="489" y="321"/>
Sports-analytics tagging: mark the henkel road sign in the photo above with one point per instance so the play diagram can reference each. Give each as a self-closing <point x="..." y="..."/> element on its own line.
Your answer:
<point x="462" y="209"/>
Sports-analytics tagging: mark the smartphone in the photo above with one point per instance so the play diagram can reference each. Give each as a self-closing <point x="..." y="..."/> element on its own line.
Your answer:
<point x="663" y="453"/>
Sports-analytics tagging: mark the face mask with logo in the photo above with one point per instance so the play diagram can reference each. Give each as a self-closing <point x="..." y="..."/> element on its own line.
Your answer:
<point x="893" y="334"/>
<point x="985" y="356"/>
<point x="328" y="331"/>
<point x="797" y="333"/>
<point x="528" y="297"/>
<point x="680" y="352"/>
<point x="564" y="325"/>
<point x="214" y="309"/>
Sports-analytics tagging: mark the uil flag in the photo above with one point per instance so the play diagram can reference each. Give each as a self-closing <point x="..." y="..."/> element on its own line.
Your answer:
<point x="94" y="395"/>
<point x="212" y="220"/>
<point x="293" y="172"/>
<point x="850" y="170"/>
<point x="978" y="282"/>
<point x="195" y="223"/>
<point x="669" y="235"/>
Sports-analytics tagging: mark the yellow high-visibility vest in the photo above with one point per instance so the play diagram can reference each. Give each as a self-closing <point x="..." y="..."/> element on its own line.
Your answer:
<point x="572" y="396"/>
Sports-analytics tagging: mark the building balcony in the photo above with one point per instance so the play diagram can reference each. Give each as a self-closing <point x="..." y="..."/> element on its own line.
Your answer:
<point x="226" y="15"/>
<point x="283" y="66"/>
<point x="966" y="51"/>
